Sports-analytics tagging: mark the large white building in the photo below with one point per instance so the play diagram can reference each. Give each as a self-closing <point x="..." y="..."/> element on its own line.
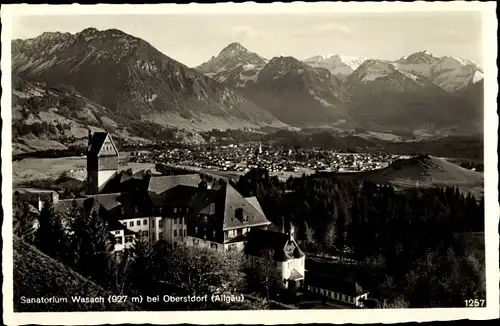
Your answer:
<point x="176" y="208"/>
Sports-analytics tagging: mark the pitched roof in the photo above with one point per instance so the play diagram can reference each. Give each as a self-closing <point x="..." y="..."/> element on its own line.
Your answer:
<point x="239" y="212"/>
<point x="107" y="201"/>
<point x="260" y="241"/>
<point x="295" y="275"/>
<point x="334" y="284"/>
<point x="255" y="203"/>
<point x="159" y="186"/>
<point x="65" y="205"/>
<point x="97" y="140"/>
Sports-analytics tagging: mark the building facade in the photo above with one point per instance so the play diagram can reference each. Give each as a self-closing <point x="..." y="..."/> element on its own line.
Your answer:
<point x="278" y="255"/>
<point x="336" y="290"/>
<point x="179" y="209"/>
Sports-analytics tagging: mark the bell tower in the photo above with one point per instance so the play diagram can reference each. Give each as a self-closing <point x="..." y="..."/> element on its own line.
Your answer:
<point x="102" y="161"/>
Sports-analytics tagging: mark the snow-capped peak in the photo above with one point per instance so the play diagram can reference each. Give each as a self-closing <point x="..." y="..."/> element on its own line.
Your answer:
<point x="352" y="61"/>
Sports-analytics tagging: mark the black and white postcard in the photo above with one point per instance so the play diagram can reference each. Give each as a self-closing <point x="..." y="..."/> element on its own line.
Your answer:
<point x="256" y="163"/>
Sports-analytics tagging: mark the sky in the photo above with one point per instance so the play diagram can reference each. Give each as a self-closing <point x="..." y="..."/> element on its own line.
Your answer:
<point x="194" y="39"/>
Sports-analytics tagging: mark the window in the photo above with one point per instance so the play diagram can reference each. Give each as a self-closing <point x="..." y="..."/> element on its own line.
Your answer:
<point x="153" y="224"/>
<point x="238" y="213"/>
<point x="136" y="209"/>
<point x="213" y="246"/>
<point x="145" y="233"/>
<point x="129" y="239"/>
<point x="175" y="244"/>
<point x="119" y="240"/>
<point x="213" y="234"/>
<point x="205" y="218"/>
<point x="139" y="223"/>
<point x="160" y="236"/>
<point x="175" y="209"/>
<point x="153" y="236"/>
<point x="196" y="242"/>
<point x="161" y="209"/>
<point x="175" y="233"/>
<point x="160" y="224"/>
<point x="122" y="209"/>
<point x="145" y="222"/>
<point x="131" y="223"/>
<point x="195" y="230"/>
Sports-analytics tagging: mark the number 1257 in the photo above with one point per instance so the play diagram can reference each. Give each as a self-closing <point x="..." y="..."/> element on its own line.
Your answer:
<point x="474" y="302"/>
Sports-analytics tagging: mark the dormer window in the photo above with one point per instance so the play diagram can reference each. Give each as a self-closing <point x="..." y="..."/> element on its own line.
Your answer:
<point x="196" y="230"/>
<point x="238" y="213"/>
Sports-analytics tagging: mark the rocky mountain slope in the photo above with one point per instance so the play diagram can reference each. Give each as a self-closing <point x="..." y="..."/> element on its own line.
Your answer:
<point x="134" y="80"/>
<point x="383" y="95"/>
<point x="420" y="94"/>
<point x="139" y="92"/>
<point x="449" y="73"/>
<point x="234" y="66"/>
<point x="298" y="94"/>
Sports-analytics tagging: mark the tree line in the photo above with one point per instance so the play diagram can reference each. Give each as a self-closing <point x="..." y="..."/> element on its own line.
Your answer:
<point x="407" y="236"/>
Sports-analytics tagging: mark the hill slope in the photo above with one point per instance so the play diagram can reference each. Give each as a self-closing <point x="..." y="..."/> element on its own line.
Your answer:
<point x="36" y="275"/>
<point x="48" y="118"/>
<point x="424" y="171"/>
<point x="133" y="79"/>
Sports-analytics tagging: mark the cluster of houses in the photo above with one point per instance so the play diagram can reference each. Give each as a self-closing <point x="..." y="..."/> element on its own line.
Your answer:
<point x="183" y="209"/>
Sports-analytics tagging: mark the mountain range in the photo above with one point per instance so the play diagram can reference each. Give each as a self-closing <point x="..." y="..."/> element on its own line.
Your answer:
<point x="135" y="91"/>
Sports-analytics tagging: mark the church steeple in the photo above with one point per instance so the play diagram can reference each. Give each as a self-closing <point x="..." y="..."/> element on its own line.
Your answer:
<point x="102" y="161"/>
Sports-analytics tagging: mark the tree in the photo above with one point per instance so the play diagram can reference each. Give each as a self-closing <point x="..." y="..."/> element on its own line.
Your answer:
<point x="49" y="233"/>
<point x="197" y="271"/>
<point x="330" y="237"/>
<point x="24" y="220"/>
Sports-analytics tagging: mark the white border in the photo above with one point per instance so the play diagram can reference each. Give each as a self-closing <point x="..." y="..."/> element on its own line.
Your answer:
<point x="490" y="24"/>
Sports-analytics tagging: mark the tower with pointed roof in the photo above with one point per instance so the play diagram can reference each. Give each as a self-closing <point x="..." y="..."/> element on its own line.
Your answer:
<point x="102" y="161"/>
